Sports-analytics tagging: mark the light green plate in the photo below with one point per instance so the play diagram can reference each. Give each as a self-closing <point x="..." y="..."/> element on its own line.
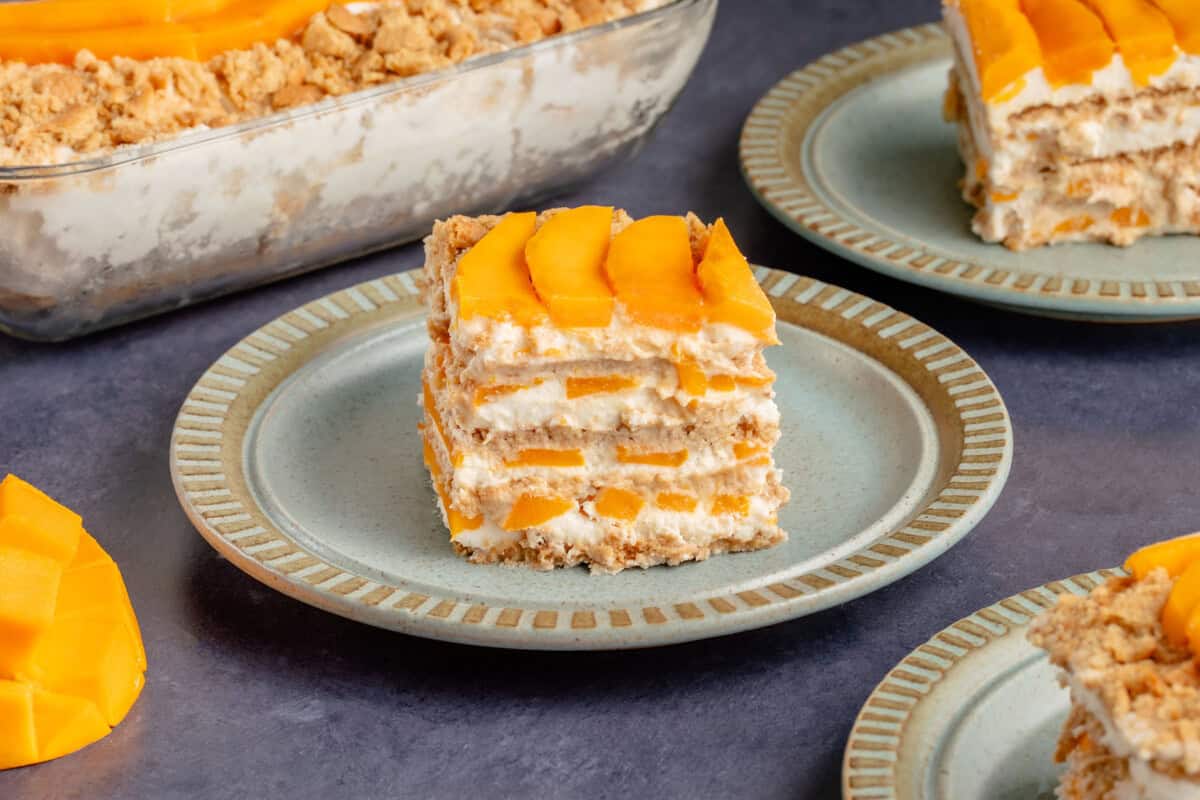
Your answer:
<point x="972" y="714"/>
<point x="852" y="153"/>
<point x="296" y="455"/>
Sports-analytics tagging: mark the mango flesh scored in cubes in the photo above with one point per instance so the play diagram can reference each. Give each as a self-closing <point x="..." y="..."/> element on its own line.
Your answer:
<point x="1185" y="17"/>
<point x="547" y="458"/>
<point x="619" y="504"/>
<point x="1183" y="600"/>
<point x="1143" y="34"/>
<point x="566" y="262"/>
<point x="493" y="280"/>
<point x="649" y="267"/>
<point x="109" y="675"/>
<point x="64" y="724"/>
<point x="1173" y="555"/>
<point x="1074" y="42"/>
<point x="607" y="384"/>
<point x="36" y="522"/>
<point x="672" y="459"/>
<point x="94" y="581"/>
<point x="731" y="294"/>
<point x="670" y="501"/>
<point x="731" y="504"/>
<point x="18" y="739"/>
<point x="1005" y="45"/>
<point x="28" y="594"/>
<point x="531" y="510"/>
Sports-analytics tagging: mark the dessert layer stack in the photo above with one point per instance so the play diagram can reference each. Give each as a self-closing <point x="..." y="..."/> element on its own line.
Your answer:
<point x="595" y="390"/>
<point x="1078" y="119"/>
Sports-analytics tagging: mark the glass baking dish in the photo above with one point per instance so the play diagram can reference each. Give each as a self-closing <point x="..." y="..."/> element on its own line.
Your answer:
<point x="97" y="242"/>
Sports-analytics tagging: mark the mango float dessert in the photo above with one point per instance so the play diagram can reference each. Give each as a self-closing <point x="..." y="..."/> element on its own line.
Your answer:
<point x="595" y="390"/>
<point x="1129" y="653"/>
<point x="72" y="662"/>
<point x="1078" y="120"/>
<point x="81" y="77"/>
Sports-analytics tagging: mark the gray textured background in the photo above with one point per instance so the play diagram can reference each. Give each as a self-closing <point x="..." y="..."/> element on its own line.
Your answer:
<point x="252" y="694"/>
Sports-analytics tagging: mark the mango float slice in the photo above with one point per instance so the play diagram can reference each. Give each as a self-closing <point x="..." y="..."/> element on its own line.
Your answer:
<point x="566" y="262"/>
<point x="72" y="661"/>
<point x="731" y="294"/>
<point x="1073" y="40"/>
<point x="649" y="267"/>
<point x="492" y="279"/>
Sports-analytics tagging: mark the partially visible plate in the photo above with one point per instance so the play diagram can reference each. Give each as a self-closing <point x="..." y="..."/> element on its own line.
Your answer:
<point x="851" y="152"/>
<point x="296" y="456"/>
<point x="972" y="714"/>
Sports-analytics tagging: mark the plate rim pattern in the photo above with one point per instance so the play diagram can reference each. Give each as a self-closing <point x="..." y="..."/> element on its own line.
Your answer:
<point x="207" y="471"/>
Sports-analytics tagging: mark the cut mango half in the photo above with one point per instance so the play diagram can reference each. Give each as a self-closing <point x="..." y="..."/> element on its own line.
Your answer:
<point x="72" y="662"/>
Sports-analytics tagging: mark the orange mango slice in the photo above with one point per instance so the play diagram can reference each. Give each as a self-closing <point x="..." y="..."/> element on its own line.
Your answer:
<point x="249" y="22"/>
<point x="1129" y="217"/>
<point x="532" y="510"/>
<point x="649" y="268"/>
<point x="547" y="458"/>
<point x="138" y="41"/>
<point x="731" y="504"/>
<point x="1183" y="600"/>
<point x="566" y="261"/>
<point x="1185" y="18"/>
<point x="672" y="501"/>
<point x="691" y="378"/>
<point x="456" y="520"/>
<point x="671" y="459"/>
<point x="1073" y="40"/>
<point x="486" y="394"/>
<point x="87" y="15"/>
<point x="605" y="384"/>
<point x="731" y="294"/>
<point x="1005" y="45"/>
<point x="492" y="279"/>
<point x="722" y="383"/>
<point x="742" y="451"/>
<point x="619" y="504"/>
<point x="1174" y="555"/>
<point x="1143" y="34"/>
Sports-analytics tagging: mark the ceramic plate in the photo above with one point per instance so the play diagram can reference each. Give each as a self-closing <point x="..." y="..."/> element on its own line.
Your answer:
<point x="973" y="713"/>
<point x="296" y="456"/>
<point x="852" y="153"/>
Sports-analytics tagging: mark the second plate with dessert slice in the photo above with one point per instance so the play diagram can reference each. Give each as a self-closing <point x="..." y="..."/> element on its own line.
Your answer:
<point x="298" y="454"/>
<point x="854" y="152"/>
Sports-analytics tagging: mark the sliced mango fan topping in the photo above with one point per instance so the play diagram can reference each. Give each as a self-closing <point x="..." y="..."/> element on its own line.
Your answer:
<point x="49" y="31"/>
<point x="72" y="662"/>
<point x="1181" y="559"/>
<point x="1072" y="39"/>
<point x="572" y="271"/>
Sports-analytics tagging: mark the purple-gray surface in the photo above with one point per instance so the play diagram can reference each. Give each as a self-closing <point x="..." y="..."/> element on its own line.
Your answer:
<point x="251" y="694"/>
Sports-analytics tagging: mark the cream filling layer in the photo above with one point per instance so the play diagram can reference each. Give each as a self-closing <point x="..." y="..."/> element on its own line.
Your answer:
<point x="547" y="404"/>
<point x="1008" y="155"/>
<point x="1128" y="742"/>
<point x="697" y="528"/>
<point x="479" y="470"/>
<point x="721" y="348"/>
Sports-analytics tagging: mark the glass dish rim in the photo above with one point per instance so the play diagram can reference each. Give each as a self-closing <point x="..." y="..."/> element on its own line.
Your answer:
<point x="196" y="138"/>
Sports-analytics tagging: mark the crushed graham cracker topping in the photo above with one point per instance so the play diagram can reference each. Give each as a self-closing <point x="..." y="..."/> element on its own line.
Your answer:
<point x="50" y="113"/>
<point x="1112" y="643"/>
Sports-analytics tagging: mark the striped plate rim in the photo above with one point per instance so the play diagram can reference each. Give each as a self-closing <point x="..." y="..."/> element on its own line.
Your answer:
<point x="206" y="463"/>
<point x="884" y="755"/>
<point x="775" y="134"/>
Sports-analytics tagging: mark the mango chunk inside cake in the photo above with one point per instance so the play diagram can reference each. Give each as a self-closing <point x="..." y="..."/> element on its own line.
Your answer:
<point x="596" y="391"/>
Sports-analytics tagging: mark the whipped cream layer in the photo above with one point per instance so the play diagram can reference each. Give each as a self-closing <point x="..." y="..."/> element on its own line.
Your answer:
<point x="1126" y="738"/>
<point x="489" y="343"/>
<point x="547" y="404"/>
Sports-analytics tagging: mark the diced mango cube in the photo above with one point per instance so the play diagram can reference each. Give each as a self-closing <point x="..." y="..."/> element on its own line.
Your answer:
<point x="619" y="504"/>
<point x="64" y="724"/>
<point x="93" y="581"/>
<point x="28" y="590"/>
<point x="532" y="510"/>
<point x="731" y="294"/>
<point x="31" y="520"/>
<point x="566" y="262"/>
<point x="671" y="501"/>
<point x="674" y="458"/>
<point x="603" y="384"/>
<point x="18" y="740"/>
